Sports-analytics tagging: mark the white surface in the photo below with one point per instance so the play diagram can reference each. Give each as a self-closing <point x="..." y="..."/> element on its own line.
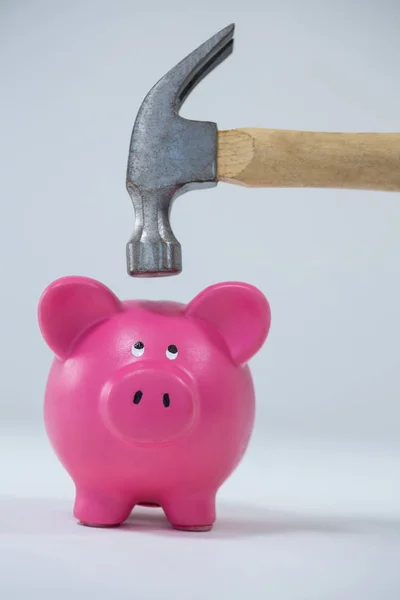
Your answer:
<point x="297" y="521"/>
<point x="315" y="520"/>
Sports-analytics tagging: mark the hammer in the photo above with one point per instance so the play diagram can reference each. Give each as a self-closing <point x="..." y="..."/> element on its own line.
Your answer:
<point x="170" y="155"/>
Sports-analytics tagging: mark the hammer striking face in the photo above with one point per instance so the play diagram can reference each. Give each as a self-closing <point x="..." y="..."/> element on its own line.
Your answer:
<point x="169" y="155"/>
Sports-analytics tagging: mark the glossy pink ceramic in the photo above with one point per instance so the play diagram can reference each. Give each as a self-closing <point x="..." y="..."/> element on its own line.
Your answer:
<point x="150" y="402"/>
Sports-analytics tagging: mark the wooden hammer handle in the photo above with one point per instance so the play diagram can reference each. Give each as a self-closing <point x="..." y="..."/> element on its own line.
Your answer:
<point x="280" y="158"/>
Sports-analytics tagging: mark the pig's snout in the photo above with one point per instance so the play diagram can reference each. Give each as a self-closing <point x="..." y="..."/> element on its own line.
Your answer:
<point x="149" y="404"/>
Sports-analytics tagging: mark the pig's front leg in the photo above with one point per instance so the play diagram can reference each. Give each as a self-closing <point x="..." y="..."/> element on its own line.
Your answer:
<point x="98" y="508"/>
<point x="190" y="510"/>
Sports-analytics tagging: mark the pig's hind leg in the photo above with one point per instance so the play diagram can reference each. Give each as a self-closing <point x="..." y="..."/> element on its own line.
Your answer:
<point x="190" y="510"/>
<point x="95" y="508"/>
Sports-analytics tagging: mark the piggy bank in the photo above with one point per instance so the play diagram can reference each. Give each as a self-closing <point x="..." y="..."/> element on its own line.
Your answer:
<point x="150" y="402"/>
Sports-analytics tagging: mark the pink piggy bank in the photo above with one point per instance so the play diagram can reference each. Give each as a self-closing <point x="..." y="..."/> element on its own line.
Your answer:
<point x="150" y="402"/>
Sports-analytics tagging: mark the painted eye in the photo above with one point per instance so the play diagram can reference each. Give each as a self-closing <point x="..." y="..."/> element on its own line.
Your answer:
<point x="172" y="352"/>
<point x="137" y="349"/>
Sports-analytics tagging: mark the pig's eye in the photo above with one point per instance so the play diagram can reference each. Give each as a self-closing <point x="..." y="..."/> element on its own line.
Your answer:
<point x="172" y="352"/>
<point x="137" y="349"/>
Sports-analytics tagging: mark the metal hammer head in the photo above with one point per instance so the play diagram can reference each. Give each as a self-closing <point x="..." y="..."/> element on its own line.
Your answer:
<point x="169" y="155"/>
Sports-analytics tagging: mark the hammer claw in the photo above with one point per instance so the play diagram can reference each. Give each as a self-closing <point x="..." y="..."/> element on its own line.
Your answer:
<point x="205" y="58"/>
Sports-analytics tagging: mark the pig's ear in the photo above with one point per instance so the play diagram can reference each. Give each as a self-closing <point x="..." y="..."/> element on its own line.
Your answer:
<point x="240" y="312"/>
<point x="69" y="306"/>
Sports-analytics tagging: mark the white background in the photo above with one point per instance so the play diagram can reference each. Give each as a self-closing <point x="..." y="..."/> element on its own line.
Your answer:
<point x="313" y="512"/>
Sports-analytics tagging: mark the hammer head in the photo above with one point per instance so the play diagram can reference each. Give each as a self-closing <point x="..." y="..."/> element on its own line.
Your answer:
<point x="169" y="155"/>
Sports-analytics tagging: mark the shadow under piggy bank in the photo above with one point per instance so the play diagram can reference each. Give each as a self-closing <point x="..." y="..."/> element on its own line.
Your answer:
<point x="37" y="516"/>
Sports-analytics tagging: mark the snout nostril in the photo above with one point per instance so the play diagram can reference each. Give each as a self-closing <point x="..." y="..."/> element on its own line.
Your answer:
<point x="166" y="400"/>
<point x="137" y="397"/>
